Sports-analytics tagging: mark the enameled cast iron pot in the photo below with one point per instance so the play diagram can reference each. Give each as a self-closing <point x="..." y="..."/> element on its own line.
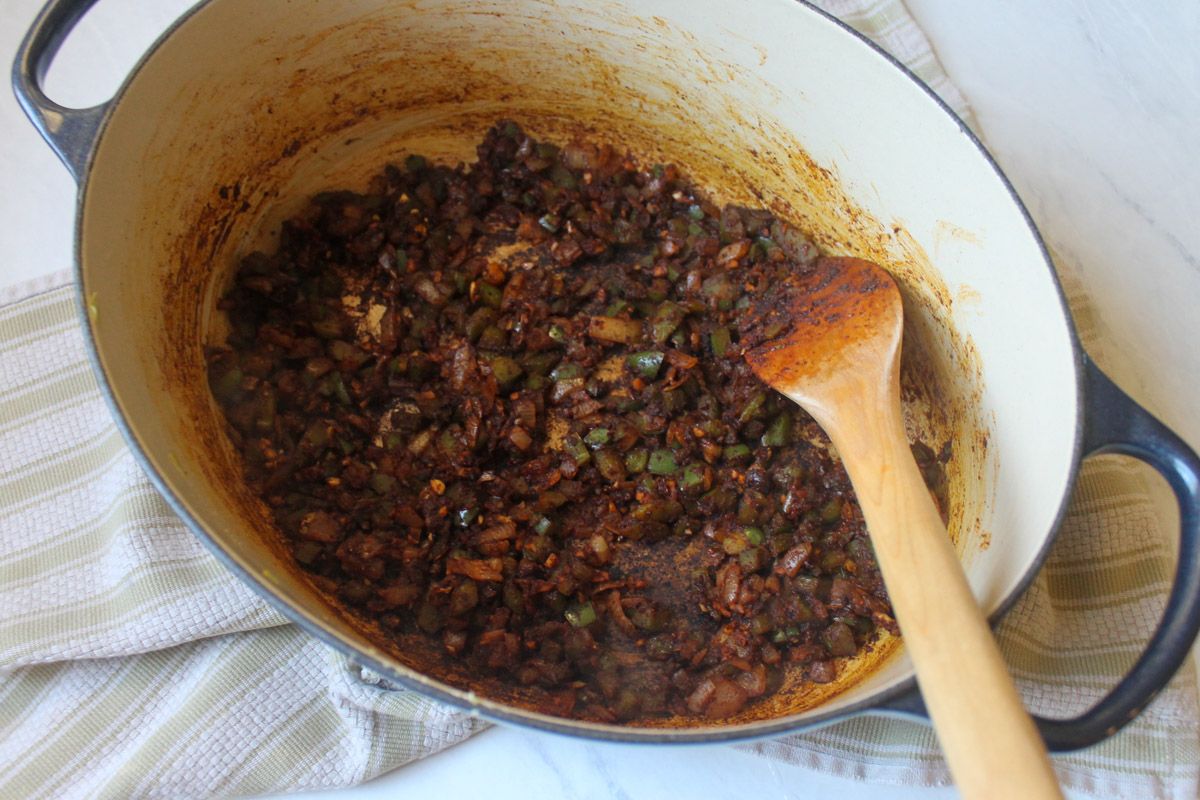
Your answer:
<point x="243" y="110"/>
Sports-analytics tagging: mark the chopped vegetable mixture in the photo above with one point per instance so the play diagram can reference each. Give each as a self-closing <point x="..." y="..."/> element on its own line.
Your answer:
<point x="505" y="405"/>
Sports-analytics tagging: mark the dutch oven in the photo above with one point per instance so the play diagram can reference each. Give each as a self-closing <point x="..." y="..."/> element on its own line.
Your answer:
<point x="241" y="111"/>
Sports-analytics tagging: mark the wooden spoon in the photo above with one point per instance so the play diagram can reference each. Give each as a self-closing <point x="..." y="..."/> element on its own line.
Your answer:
<point x="836" y="352"/>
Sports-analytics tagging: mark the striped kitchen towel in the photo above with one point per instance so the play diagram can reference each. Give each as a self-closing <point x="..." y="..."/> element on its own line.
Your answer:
<point x="133" y="665"/>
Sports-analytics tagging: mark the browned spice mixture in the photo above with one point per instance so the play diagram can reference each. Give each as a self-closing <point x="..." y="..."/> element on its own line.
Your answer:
<point x="480" y="400"/>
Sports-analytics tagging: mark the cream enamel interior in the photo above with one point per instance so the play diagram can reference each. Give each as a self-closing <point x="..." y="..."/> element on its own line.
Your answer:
<point x="246" y="109"/>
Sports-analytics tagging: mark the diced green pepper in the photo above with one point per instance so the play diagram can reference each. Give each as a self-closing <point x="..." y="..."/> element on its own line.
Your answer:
<point x="505" y="370"/>
<point x="566" y="371"/>
<point x="721" y="289"/>
<point x="790" y="475"/>
<point x="576" y="449"/>
<point x="448" y="442"/>
<point x="481" y="320"/>
<point x="779" y="432"/>
<point x="751" y="506"/>
<point x="662" y="462"/>
<point x="832" y="560"/>
<point x="610" y="464"/>
<point x="514" y="598"/>
<point x="665" y="320"/>
<point x="839" y="640"/>
<point x="616" y="307"/>
<point x="636" y="460"/>
<point x="737" y="452"/>
<point x="831" y="512"/>
<point x="861" y="551"/>
<point x="539" y="363"/>
<point x="782" y="635"/>
<point x="753" y="408"/>
<point x="719" y="340"/>
<point x="650" y="617"/>
<point x="734" y="542"/>
<point x="490" y="296"/>
<point x="645" y="363"/>
<point x="859" y="625"/>
<point x="721" y="499"/>
<point x="624" y="405"/>
<point x="597" y="437"/>
<point x="696" y="478"/>
<point x="804" y="612"/>
<point x="580" y="614"/>
<point x="752" y="559"/>
<point x="673" y="401"/>
<point x="562" y="177"/>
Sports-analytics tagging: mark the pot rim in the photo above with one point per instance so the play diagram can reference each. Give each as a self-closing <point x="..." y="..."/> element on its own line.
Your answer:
<point x="889" y="701"/>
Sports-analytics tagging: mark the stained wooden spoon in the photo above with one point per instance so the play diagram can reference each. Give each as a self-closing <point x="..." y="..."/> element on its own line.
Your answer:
<point x="835" y="350"/>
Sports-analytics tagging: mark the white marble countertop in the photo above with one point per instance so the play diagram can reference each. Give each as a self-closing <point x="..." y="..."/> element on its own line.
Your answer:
<point x="1091" y="106"/>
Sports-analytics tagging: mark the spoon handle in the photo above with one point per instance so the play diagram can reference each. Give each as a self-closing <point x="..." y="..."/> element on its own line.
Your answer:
<point x="989" y="740"/>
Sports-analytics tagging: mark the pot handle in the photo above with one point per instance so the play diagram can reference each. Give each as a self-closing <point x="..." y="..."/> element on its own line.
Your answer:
<point x="1115" y="423"/>
<point x="70" y="132"/>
